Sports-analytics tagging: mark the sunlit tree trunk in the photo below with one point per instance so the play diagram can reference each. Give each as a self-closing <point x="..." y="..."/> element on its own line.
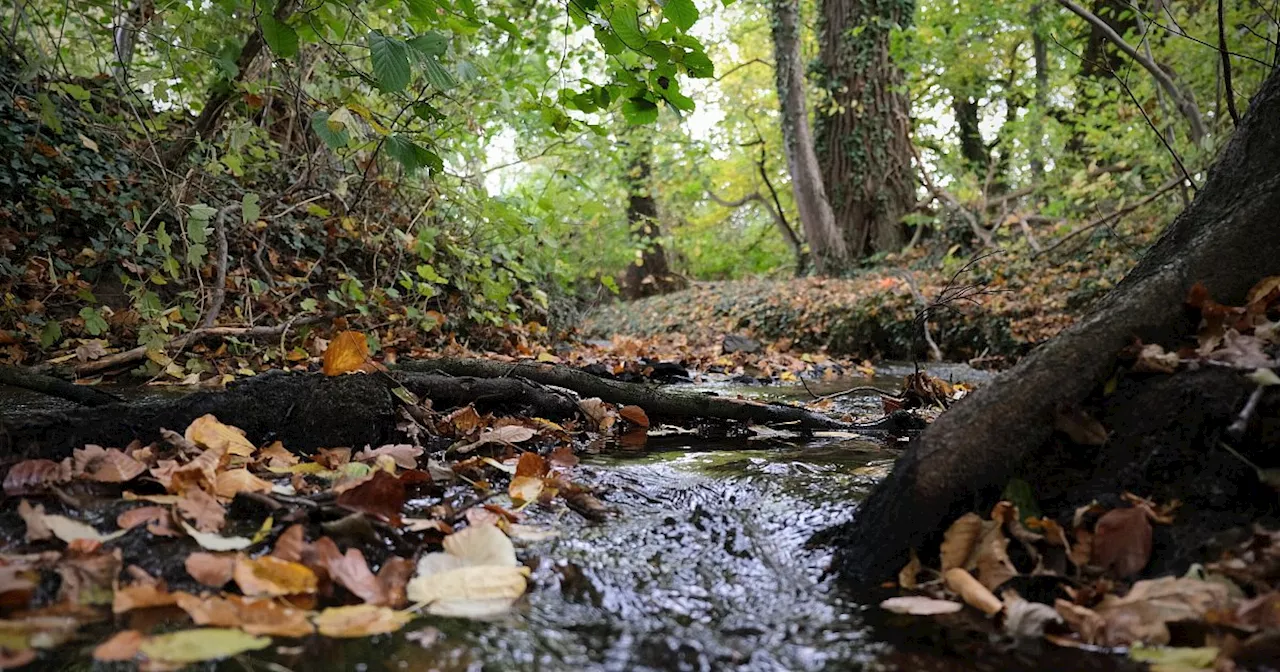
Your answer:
<point x="864" y="137"/>
<point x="826" y="244"/>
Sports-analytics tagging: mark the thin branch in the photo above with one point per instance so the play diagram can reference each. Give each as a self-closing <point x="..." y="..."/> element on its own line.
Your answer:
<point x="1226" y="64"/>
<point x="1105" y="219"/>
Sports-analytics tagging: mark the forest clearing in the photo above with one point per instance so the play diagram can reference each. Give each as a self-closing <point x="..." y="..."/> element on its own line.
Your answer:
<point x="640" y="335"/>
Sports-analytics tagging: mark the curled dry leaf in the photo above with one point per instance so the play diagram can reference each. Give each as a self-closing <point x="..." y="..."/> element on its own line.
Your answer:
<point x="215" y="542"/>
<point x="208" y="433"/>
<point x="635" y="415"/>
<point x="464" y="420"/>
<point x="971" y="591"/>
<point x="347" y="352"/>
<point x="528" y="482"/>
<point x="1142" y="615"/>
<point x="271" y="576"/>
<point x="290" y="544"/>
<point x="276" y="456"/>
<point x="1122" y="541"/>
<point x="507" y="434"/>
<point x="30" y="477"/>
<point x="211" y="569"/>
<point x="41" y="525"/>
<point x="156" y="518"/>
<point x="1154" y="359"/>
<point x="477" y="575"/>
<point x="908" y="575"/>
<point x="256" y="616"/>
<point x="918" y="605"/>
<point x="960" y="540"/>
<point x="203" y="510"/>
<point x="361" y="620"/>
<point x="600" y="415"/>
<point x="381" y="496"/>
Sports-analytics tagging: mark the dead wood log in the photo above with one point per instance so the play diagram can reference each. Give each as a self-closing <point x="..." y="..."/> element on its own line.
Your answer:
<point x="54" y="387"/>
<point x="1227" y="239"/>
<point x="659" y="402"/>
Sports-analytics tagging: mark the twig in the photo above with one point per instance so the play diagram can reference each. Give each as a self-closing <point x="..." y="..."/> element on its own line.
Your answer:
<point x="140" y="353"/>
<point x="1226" y="65"/>
<point x="220" y="271"/>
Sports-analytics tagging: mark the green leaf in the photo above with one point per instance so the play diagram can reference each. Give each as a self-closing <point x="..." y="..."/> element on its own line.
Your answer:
<point x="52" y="333"/>
<point x="625" y="22"/>
<point x="332" y="133"/>
<point x="390" y="62"/>
<point x="431" y="43"/>
<point x="468" y="7"/>
<point x="93" y="322"/>
<point x="423" y="10"/>
<point x="280" y="36"/>
<point x="426" y="112"/>
<point x="639" y="111"/>
<point x="411" y="155"/>
<point x="683" y="13"/>
<point x="436" y="74"/>
<point x="250" y="209"/>
<point x="608" y="41"/>
<point x="698" y="65"/>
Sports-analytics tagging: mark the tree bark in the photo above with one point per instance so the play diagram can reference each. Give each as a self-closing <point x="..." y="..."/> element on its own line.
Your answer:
<point x="826" y="244"/>
<point x="972" y="147"/>
<point x="864" y="141"/>
<point x="1226" y="240"/>
<point x="649" y="274"/>
<point x="224" y="91"/>
<point x="1040" y="51"/>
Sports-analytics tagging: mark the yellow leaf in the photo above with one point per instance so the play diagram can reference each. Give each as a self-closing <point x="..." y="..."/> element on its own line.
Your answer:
<point x="233" y="481"/>
<point x="348" y="351"/>
<point x="361" y="620"/>
<point x="207" y="432"/>
<point x="200" y="644"/>
<point x="269" y="575"/>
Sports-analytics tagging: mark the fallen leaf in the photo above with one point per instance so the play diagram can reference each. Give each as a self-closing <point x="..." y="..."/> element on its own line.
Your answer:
<point x="634" y="415"/>
<point x="275" y="455"/>
<point x="121" y="647"/>
<point x="1026" y="619"/>
<point x="156" y="518"/>
<point x="960" y="539"/>
<point x="233" y="481"/>
<point x="41" y="525"/>
<point x="528" y="481"/>
<point x="105" y="465"/>
<point x="907" y="576"/>
<point x="201" y="473"/>
<point x="477" y="575"/>
<point x="464" y="421"/>
<point x="214" y="542"/>
<point x="361" y="620"/>
<point x="256" y="616"/>
<point x="405" y="455"/>
<point x="290" y="544"/>
<point x="1079" y="426"/>
<point x="202" y="509"/>
<point x="971" y="591"/>
<point x="271" y="576"/>
<point x="347" y="352"/>
<point x="1122" y="541"/>
<point x="601" y="416"/>
<point x="1154" y="359"/>
<point x="208" y="433"/>
<point x="211" y="569"/>
<point x="200" y="644"/>
<point x="381" y="496"/>
<point x="918" y="605"/>
<point x="30" y="477"/>
<point x="1175" y="659"/>
<point x="507" y="434"/>
<point x="1142" y="615"/>
<point x="563" y="456"/>
<point x="141" y="596"/>
<point x="88" y="579"/>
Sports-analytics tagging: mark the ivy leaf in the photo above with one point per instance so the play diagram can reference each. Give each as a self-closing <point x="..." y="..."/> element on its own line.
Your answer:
<point x="280" y="36"/>
<point x="683" y="13"/>
<point x="639" y="111"/>
<point x="390" y="62"/>
<point x="333" y="134"/>
<point x="625" y="22"/>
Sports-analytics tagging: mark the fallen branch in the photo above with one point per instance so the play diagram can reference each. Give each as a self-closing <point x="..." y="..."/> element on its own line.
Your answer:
<point x="661" y="402"/>
<point x="128" y="357"/>
<point x="54" y="387"/>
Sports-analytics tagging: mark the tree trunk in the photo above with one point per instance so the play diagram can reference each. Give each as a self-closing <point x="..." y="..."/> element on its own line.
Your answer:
<point x="649" y="274"/>
<point x="972" y="148"/>
<point x="1227" y="240"/>
<point x="223" y="92"/>
<point x="826" y="244"/>
<point x="864" y="142"/>
<point x="1040" y="51"/>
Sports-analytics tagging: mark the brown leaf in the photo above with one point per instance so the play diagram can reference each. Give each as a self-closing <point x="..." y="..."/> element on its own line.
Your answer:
<point x="505" y="435"/>
<point x="992" y="562"/>
<point x="122" y="647"/>
<point x="30" y="477"/>
<point x="382" y="496"/>
<point x="960" y="539"/>
<point x="361" y="620"/>
<point x="908" y="575"/>
<point x="405" y="455"/>
<point x="464" y="421"/>
<point x="106" y="465"/>
<point x="208" y="433"/>
<point x="394" y="575"/>
<point x="290" y="544"/>
<point x="1143" y="614"/>
<point x="634" y="415"/>
<point x="563" y="456"/>
<point x="1084" y="621"/>
<point x="256" y="616"/>
<point x="156" y="518"/>
<point x="598" y="413"/>
<point x="276" y="456"/>
<point x="203" y="510"/>
<point x="1122" y="541"/>
<point x="201" y="473"/>
<point x="211" y="569"/>
<point x="347" y="352"/>
<point x="352" y="572"/>
<point x="271" y="576"/>
<point x="88" y="579"/>
<point x="141" y="596"/>
<point x="233" y="481"/>
<point x="1153" y="359"/>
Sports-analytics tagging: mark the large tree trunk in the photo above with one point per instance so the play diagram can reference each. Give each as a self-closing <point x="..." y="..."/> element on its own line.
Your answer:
<point x="649" y="274"/>
<point x="826" y="244"/>
<point x="1227" y="240"/>
<point x="864" y="142"/>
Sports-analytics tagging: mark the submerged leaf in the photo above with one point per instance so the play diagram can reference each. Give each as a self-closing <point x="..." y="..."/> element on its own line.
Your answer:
<point x="200" y="644"/>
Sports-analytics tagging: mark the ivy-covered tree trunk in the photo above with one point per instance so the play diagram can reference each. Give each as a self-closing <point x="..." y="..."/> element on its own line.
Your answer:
<point x="826" y="244"/>
<point x="649" y="274"/>
<point x="864" y="135"/>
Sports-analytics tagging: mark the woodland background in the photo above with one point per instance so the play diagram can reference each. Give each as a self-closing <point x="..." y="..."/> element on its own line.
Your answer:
<point x="437" y="172"/>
